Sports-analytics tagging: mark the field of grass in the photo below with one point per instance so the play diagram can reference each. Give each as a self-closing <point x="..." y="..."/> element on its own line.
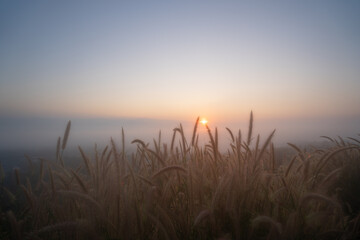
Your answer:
<point x="185" y="190"/>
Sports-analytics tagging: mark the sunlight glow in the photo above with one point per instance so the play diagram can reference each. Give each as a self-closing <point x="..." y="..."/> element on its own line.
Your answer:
<point x="204" y="121"/>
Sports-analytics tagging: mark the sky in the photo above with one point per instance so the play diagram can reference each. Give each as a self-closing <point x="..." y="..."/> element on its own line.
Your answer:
<point x="295" y="62"/>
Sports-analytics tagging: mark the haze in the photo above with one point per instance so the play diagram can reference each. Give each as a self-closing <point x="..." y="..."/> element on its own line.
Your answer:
<point x="149" y="65"/>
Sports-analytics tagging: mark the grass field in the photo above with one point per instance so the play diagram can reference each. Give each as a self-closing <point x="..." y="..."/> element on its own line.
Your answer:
<point x="185" y="190"/>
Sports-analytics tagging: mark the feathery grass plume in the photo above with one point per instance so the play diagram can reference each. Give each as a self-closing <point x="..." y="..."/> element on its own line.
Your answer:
<point x="165" y="151"/>
<point x="329" y="179"/>
<point x="173" y="139"/>
<point x="28" y="196"/>
<point x="81" y="183"/>
<point x="194" y="131"/>
<point x="58" y="149"/>
<point x="108" y="156"/>
<point x="328" y="138"/>
<point x="28" y="185"/>
<point x="324" y="160"/>
<point x="140" y="142"/>
<point x="118" y="160"/>
<point x="52" y="181"/>
<point x="289" y="166"/>
<point x="183" y="139"/>
<point x="157" y="157"/>
<point x="266" y="144"/>
<point x="300" y="167"/>
<point x="87" y="162"/>
<point x="238" y="150"/>
<point x="354" y="139"/>
<point x="97" y="167"/>
<point x="144" y="179"/>
<point x="122" y="143"/>
<point x="306" y="170"/>
<point x="104" y="153"/>
<point x="216" y="139"/>
<point x="190" y="189"/>
<point x="66" y="135"/>
<point x="133" y="179"/>
<point x="63" y="180"/>
<point x="256" y="148"/>
<point x="157" y="144"/>
<point x="197" y="140"/>
<point x="231" y="134"/>
<point x="213" y="145"/>
<point x="162" y="194"/>
<point x="272" y="154"/>
<point x="342" y="141"/>
<point x="250" y="128"/>
<point x="301" y="154"/>
<point x="169" y="168"/>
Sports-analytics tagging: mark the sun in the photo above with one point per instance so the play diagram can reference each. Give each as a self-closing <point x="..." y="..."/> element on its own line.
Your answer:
<point x="204" y="121"/>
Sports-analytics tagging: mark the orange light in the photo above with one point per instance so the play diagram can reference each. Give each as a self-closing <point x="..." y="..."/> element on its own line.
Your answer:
<point x="204" y="121"/>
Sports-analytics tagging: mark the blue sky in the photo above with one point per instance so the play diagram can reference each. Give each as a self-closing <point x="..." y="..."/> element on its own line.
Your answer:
<point x="178" y="60"/>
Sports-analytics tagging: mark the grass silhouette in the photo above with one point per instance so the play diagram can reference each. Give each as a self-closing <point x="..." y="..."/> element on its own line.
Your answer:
<point x="188" y="191"/>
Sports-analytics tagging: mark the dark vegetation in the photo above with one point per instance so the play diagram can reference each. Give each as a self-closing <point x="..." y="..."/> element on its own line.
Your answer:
<point x="184" y="190"/>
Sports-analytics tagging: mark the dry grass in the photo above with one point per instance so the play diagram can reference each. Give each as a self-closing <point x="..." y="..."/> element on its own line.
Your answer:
<point x="190" y="191"/>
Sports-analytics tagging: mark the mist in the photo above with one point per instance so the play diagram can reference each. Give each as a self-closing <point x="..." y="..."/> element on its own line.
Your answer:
<point x="35" y="133"/>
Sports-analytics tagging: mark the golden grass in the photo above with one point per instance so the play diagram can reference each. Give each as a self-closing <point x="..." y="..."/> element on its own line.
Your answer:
<point x="190" y="191"/>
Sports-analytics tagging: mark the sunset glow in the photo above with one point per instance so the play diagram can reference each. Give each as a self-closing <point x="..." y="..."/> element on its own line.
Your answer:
<point x="204" y="121"/>
<point x="188" y="108"/>
<point x="287" y="61"/>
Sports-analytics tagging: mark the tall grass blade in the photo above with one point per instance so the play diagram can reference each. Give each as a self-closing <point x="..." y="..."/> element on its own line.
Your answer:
<point x="66" y="135"/>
